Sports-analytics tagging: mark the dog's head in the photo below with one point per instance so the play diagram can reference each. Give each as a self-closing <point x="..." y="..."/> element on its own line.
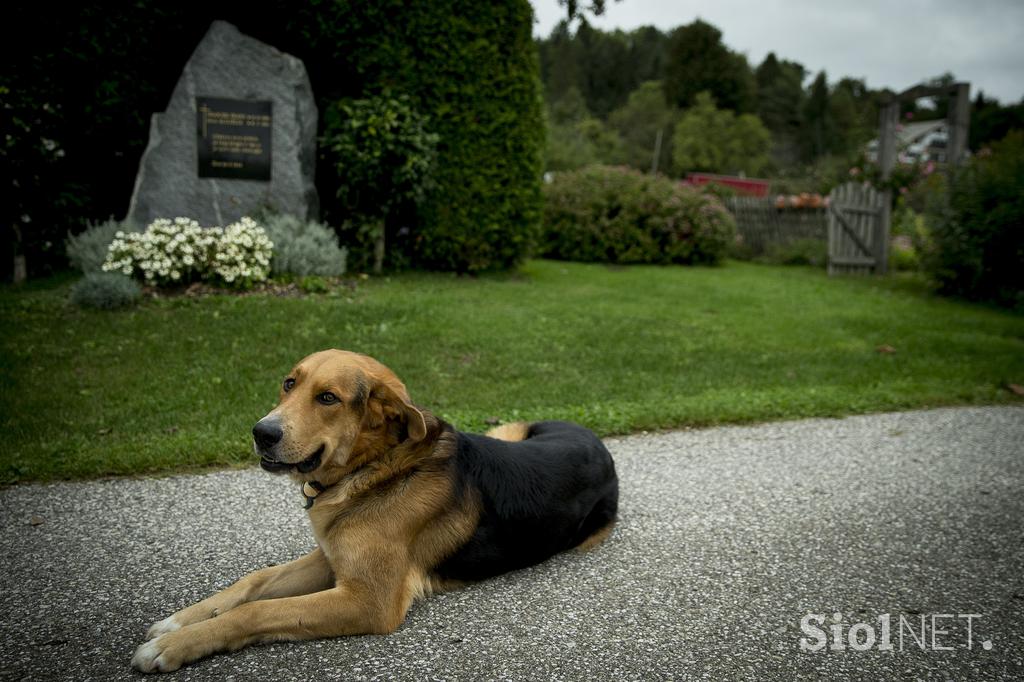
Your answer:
<point x="334" y="408"/>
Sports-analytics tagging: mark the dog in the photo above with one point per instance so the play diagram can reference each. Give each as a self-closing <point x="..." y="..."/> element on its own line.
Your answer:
<point x="401" y="504"/>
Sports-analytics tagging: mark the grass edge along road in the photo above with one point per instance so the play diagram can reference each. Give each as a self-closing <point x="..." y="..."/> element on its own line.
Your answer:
<point x="176" y="383"/>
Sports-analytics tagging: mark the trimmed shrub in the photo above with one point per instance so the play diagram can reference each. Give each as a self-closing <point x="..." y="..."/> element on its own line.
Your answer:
<point x="304" y="248"/>
<point x="618" y="215"/>
<point x="975" y="244"/>
<point x="105" y="290"/>
<point x="87" y="250"/>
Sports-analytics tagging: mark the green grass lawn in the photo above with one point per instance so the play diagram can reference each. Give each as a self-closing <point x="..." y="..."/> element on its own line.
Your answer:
<point x="177" y="383"/>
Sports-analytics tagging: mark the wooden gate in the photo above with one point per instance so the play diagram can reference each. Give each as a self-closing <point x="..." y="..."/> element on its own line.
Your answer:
<point x="858" y="239"/>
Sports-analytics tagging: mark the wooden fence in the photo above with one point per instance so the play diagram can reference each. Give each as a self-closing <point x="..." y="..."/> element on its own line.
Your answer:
<point x="761" y="226"/>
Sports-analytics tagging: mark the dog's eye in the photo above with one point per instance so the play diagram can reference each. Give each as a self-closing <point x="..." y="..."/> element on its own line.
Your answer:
<point x="288" y="384"/>
<point x="327" y="398"/>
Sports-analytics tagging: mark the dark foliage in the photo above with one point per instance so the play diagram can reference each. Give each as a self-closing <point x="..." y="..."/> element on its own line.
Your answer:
<point x="977" y="239"/>
<point x="105" y="291"/>
<point x="699" y="61"/>
<point x="991" y="121"/>
<point x="78" y="103"/>
<point x="605" y="67"/>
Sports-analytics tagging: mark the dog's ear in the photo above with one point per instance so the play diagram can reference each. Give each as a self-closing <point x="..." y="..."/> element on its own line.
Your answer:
<point x="387" y="402"/>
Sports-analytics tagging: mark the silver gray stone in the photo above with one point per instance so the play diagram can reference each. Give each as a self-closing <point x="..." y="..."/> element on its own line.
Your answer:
<point x="229" y="64"/>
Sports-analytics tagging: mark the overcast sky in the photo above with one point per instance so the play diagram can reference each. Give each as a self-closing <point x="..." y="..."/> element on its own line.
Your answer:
<point x="895" y="44"/>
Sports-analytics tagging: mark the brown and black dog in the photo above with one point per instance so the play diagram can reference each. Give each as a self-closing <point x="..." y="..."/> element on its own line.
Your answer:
<point x="401" y="504"/>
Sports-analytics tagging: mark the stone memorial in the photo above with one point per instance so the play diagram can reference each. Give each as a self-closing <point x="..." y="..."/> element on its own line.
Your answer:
<point x="238" y="135"/>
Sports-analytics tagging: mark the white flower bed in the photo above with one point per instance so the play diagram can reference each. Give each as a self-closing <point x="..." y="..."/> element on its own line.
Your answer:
<point x="176" y="251"/>
<point x="242" y="255"/>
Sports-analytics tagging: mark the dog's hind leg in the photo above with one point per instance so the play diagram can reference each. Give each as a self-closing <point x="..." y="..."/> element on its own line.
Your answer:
<point x="305" y="575"/>
<point x="599" y="522"/>
<point x="597" y="537"/>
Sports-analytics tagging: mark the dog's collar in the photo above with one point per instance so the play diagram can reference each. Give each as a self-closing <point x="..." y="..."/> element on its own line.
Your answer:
<point x="310" y="489"/>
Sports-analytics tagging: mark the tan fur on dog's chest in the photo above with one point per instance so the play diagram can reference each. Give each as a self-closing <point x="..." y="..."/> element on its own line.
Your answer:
<point x="397" y="528"/>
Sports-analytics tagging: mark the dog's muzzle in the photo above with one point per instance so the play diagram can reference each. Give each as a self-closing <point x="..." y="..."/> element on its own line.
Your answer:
<point x="303" y="467"/>
<point x="266" y="435"/>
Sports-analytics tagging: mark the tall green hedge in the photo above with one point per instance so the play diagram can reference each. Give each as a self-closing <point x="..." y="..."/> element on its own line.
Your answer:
<point x="94" y="77"/>
<point x="476" y="71"/>
<point x="471" y="69"/>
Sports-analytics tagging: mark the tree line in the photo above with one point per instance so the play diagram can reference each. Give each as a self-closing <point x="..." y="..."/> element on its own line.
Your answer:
<point x="682" y="101"/>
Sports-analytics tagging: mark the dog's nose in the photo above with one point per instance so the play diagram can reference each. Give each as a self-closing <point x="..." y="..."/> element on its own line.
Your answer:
<point x="267" y="434"/>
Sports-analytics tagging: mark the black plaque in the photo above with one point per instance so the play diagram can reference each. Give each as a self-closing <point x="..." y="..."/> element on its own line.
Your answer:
<point x="233" y="138"/>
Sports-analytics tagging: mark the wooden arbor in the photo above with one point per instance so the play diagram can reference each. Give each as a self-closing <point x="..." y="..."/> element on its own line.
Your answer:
<point x="958" y="121"/>
<point x="872" y="250"/>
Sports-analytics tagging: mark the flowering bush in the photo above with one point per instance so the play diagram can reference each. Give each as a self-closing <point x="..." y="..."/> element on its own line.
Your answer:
<point x="168" y="252"/>
<point x="241" y="255"/>
<point x="618" y="215"/>
<point x="180" y="251"/>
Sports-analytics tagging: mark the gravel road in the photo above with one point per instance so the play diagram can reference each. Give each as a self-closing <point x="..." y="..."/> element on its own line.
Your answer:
<point x="728" y="538"/>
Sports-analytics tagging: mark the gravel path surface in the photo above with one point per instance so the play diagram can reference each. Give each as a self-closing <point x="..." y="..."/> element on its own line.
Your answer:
<point x="728" y="537"/>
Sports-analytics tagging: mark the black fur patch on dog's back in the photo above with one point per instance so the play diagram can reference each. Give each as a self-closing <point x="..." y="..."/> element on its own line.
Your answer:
<point x="538" y="497"/>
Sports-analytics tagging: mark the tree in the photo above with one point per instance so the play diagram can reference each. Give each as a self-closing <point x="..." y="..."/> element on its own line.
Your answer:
<point x="991" y="121"/>
<point x="604" y="66"/>
<point x="640" y="122"/>
<point x="569" y="108"/>
<point x="575" y="145"/>
<point x="837" y="121"/>
<point x="780" y="94"/>
<point x="574" y="10"/>
<point x="575" y="138"/>
<point x="818" y="124"/>
<point x="717" y="140"/>
<point x="383" y="154"/>
<point x="780" y="101"/>
<point x="854" y="115"/>
<point x="559" y="61"/>
<point x="605" y="70"/>
<point x="648" y="54"/>
<point x="698" y="61"/>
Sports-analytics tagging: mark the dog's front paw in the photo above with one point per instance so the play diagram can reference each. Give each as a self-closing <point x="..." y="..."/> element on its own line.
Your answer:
<point x="162" y="627"/>
<point x="153" y="657"/>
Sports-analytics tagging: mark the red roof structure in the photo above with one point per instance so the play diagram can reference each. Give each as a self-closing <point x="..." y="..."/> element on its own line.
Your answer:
<point x="751" y="187"/>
